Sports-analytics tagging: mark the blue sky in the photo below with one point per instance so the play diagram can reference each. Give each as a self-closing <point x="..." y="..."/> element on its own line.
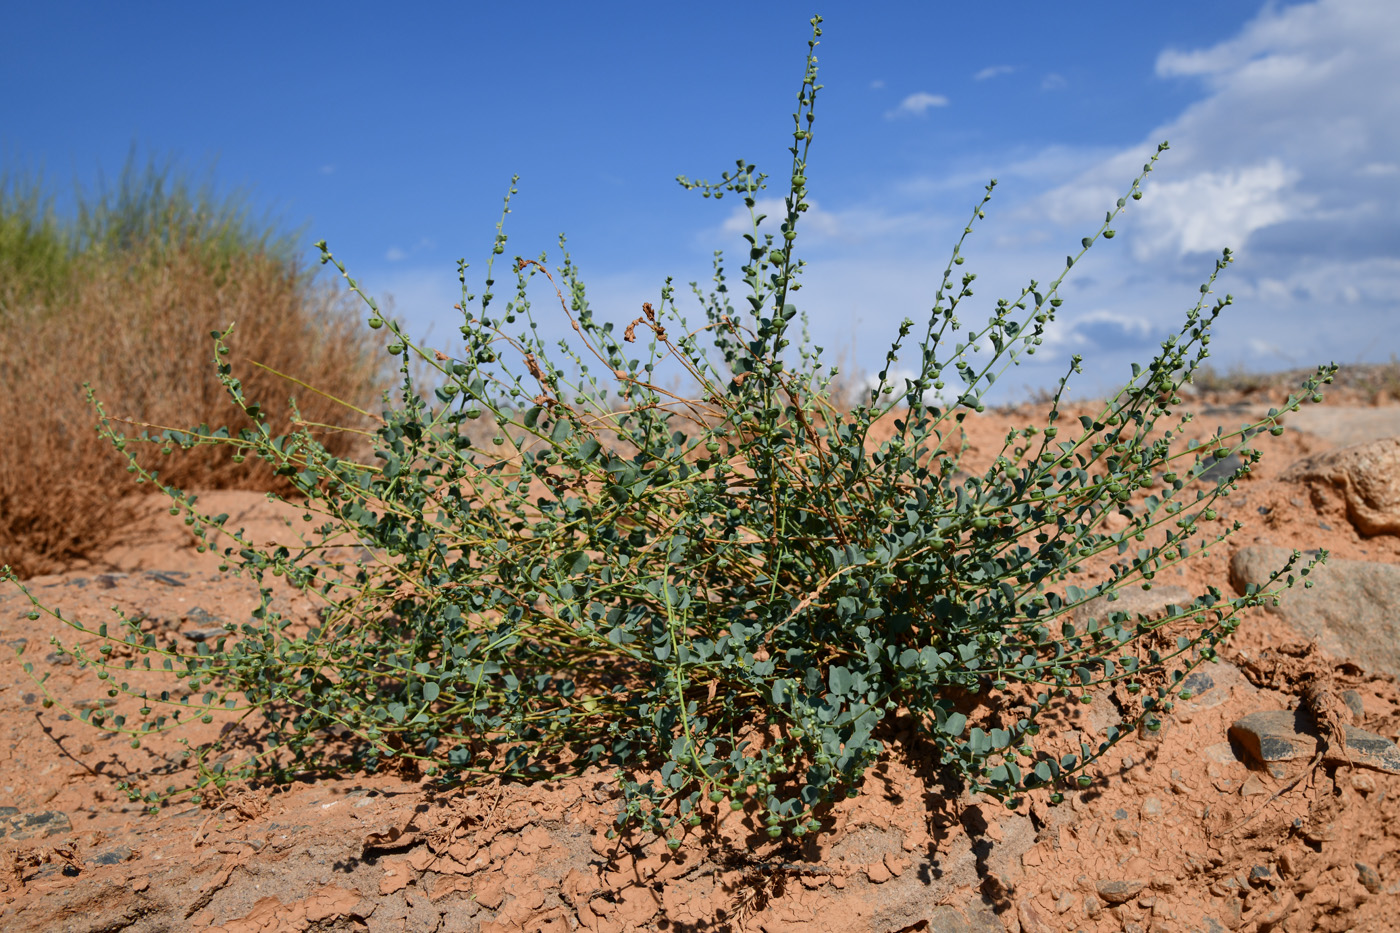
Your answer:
<point x="393" y="134"/>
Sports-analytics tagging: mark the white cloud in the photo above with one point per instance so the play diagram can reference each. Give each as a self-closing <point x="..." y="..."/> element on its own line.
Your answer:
<point x="774" y="210"/>
<point x="850" y="225"/>
<point x="1288" y="156"/>
<point x="1211" y="210"/>
<point x="917" y="105"/>
<point x="420" y="296"/>
<point x="992" y="72"/>
<point x="876" y="84"/>
<point x="1052" y="82"/>
<point x="1263" y="350"/>
<point x="898" y="379"/>
<point x="1378" y="169"/>
<point x="1101" y="329"/>
<point x="396" y="254"/>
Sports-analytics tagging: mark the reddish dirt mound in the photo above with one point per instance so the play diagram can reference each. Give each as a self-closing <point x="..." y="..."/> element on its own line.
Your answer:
<point x="1181" y="831"/>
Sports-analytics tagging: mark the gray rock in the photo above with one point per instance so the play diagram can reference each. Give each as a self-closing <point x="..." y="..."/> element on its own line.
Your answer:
<point x="1368" y="877"/>
<point x="1213" y="684"/>
<point x="978" y="919"/>
<point x="113" y="856"/>
<point x="1219" y="469"/>
<point x="200" y="616"/>
<point x="15" y="825"/>
<point x="1368" y="478"/>
<point x="1353" y="701"/>
<point x="1272" y="736"/>
<point x="1121" y="891"/>
<point x="1198" y="682"/>
<point x="1352" y="610"/>
<point x="1368" y="750"/>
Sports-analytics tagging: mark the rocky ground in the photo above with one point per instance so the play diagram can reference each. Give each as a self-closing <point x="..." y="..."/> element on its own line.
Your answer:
<point x="1247" y="811"/>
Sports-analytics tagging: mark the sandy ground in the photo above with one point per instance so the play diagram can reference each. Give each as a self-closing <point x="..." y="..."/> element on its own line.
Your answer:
<point x="1145" y="848"/>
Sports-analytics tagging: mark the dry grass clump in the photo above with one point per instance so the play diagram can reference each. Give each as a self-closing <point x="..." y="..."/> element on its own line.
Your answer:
<point x="134" y="319"/>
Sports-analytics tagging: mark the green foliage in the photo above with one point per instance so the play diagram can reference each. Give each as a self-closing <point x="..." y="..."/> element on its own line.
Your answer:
<point x="569" y="564"/>
<point x="35" y="250"/>
<point x="152" y="209"/>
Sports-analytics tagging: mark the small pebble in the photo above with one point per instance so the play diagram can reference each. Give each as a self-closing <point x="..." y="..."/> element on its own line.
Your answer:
<point x="1370" y="880"/>
<point x="1119" y="892"/>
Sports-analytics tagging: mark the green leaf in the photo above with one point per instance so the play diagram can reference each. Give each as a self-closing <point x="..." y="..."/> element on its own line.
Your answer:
<point x="430" y="691"/>
<point x="839" y="679"/>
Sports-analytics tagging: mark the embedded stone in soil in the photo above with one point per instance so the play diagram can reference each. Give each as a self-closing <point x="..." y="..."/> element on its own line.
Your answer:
<point x="1273" y="736"/>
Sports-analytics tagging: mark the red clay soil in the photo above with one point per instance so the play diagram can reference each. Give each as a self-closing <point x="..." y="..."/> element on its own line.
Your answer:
<point x="1152" y="845"/>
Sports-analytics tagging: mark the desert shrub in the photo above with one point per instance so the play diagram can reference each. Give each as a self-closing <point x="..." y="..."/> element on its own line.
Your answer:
<point x="719" y="594"/>
<point x="35" y="250"/>
<point x="123" y="296"/>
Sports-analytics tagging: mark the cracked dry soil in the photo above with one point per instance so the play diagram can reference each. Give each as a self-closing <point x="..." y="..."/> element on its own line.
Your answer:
<point x="1143" y="849"/>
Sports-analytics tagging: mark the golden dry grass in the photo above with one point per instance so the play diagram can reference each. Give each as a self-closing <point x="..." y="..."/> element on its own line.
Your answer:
<point x="138" y="329"/>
